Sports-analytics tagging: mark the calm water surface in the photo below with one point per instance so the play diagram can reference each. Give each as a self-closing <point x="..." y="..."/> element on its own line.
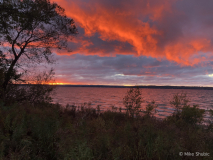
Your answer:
<point x="106" y="97"/>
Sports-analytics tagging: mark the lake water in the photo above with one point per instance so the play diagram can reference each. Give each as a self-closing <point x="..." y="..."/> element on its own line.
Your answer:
<point x="106" y="97"/>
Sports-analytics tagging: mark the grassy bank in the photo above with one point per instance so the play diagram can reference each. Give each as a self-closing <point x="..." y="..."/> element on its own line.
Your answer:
<point x="47" y="132"/>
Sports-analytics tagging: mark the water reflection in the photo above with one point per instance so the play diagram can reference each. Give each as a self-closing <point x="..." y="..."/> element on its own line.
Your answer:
<point x="106" y="97"/>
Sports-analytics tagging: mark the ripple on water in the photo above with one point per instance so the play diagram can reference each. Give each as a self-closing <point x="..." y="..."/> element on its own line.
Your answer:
<point x="162" y="116"/>
<point x="114" y="96"/>
<point x="159" y="110"/>
<point x="173" y="109"/>
<point x="162" y="107"/>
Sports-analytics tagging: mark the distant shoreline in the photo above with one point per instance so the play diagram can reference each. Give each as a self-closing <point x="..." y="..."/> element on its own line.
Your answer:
<point x="151" y="87"/>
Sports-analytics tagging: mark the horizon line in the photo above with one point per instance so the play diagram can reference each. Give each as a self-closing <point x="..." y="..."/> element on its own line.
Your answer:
<point x="127" y="86"/>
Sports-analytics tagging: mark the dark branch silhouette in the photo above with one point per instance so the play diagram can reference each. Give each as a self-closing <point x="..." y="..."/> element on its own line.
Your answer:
<point x="32" y="28"/>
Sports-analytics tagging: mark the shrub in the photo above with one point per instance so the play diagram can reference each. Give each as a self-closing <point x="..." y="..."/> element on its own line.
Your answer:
<point x="179" y="101"/>
<point x="185" y="114"/>
<point x="132" y="101"/>
<point x="36" y="92"/>
<point x="29" y="133"/>
<point x="150" y="107"/>
<point x="192" y="115"/>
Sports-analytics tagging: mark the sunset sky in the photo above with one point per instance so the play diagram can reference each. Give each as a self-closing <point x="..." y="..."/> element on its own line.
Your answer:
<point x="138" y="42"/>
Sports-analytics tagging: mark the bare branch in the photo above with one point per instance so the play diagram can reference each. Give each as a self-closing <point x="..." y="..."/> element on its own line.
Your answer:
<point x="14" y="41"/>
<point x="41" y="26"/>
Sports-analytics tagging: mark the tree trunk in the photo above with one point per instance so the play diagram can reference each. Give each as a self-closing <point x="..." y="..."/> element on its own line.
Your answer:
<point x="8" y="74"/>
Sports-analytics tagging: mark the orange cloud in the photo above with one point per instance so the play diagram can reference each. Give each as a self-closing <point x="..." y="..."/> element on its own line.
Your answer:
<point x="181" y="51"/>
<point x="139" y="23"/>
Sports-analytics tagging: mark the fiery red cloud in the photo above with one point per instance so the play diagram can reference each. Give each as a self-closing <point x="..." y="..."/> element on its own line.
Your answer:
<point x="159" y="29"/>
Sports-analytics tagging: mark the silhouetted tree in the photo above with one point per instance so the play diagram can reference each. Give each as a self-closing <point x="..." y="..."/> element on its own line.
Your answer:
<point x="30" y="29"/>
<point x="132" y="101"/>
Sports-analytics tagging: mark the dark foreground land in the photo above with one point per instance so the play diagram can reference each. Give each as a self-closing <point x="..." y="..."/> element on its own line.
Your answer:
<point x="45" y="131"/>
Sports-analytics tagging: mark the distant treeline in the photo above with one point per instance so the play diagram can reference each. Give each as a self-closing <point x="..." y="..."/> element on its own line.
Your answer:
<point x="152" y="87"/>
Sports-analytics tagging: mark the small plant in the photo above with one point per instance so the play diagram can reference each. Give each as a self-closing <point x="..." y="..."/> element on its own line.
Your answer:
<point x="184" y="113"/>
<point x="192" y="115"/>
<point x="113" y="108"/>
<point x="179" y="101"/>
<point x="211" y="112"/>
<point x="120" y="109"/>
<point x="132" y="101"/>
<point x="71" y="110"/>
<point x="210" y="121"/>
<point x="150" y="107"/>
<point x="98" y="109"/>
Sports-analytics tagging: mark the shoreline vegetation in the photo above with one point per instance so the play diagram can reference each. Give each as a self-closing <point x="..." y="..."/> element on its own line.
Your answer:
<point x="48" y="131"/>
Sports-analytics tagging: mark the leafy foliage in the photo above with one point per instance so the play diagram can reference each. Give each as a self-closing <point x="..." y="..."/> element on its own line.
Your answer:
<point x="132" y="101"/>
<point x="30" y="31"/>
<point x="150" y="107"/>
<point x="179" y="101"/>
<point x="36" y="93"/>
<point x="184" y="112"/>
<point x="32" y="28"/>
<point x="30" y="134"/>
<point x="192" y="115"/>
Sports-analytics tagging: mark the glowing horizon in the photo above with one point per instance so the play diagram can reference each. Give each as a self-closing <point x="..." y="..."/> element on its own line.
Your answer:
<point x="127" y="85"/>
